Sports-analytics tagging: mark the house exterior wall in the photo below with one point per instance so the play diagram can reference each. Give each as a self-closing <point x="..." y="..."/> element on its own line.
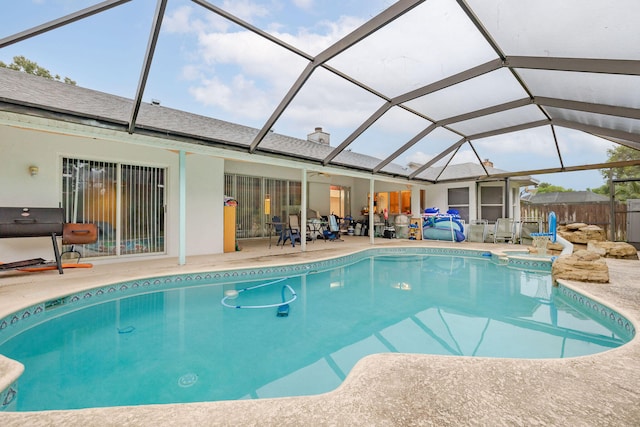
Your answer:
<point x="20" y="148"/>
<point x="44" y="147"/>
<point x="204" y="202"/>
<point x="437" y="196"/>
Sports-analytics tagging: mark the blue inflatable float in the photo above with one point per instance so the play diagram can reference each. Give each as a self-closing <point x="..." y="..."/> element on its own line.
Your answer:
<point x="437" y="226"/>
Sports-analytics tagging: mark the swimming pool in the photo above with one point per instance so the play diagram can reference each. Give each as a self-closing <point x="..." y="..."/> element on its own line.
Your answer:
<point x="183" y="345"/>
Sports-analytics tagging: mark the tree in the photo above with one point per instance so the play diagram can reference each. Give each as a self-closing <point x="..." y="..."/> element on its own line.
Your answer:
<point x="20" y="63"/>
<point x="545" y="187"/>
<point x="623" y="190"/>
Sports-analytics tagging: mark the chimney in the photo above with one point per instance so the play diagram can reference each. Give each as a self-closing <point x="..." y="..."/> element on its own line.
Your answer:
<point x="318" y="136"/>
<point x="487" y="163"/>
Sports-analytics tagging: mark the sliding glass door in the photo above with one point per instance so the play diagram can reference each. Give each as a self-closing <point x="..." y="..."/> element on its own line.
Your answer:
<point x="259" y="200"/>
<point x="126" y="202"/>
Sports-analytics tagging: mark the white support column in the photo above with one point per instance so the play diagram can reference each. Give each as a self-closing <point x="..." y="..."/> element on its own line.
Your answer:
<point x="303" y="211"/>
<point x="416" y="209"/>
<point x="182" y="216"/>
<point x="372" y="228"/>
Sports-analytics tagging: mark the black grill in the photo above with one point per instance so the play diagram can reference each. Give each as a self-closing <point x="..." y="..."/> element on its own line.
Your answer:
<point x="32" y="222"/>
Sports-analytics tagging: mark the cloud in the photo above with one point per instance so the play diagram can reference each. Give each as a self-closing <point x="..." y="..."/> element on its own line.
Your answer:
<point x="303" y="4"/>
<point x="576" y="142"/>
<point x="419" y="158"/>
<point x="245" y="9"/>
<point x="179" y="21"/>
<point x="242" y="74"/>
<point x="212" y="92"/>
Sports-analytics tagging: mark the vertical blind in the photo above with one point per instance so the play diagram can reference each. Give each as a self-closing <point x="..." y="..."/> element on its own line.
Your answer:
<point x="126" y="202"/>
<point x="259" y="200"/>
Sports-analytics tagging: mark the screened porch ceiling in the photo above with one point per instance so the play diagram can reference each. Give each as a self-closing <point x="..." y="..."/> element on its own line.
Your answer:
<point x="405" y="89"/>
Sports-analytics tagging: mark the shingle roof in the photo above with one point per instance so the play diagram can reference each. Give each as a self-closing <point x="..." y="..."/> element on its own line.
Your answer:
<point x="567" y="197"/>
<point x="86" y="103"/>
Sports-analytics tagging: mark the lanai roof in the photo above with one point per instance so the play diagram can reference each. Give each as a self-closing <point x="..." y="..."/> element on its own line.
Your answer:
<point x="436" y="82"/>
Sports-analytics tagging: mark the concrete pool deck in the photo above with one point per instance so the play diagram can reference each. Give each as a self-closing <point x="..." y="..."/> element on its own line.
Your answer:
<point x="385" y="389"/>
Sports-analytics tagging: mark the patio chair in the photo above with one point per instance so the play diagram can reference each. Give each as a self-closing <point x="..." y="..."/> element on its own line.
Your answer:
<point x="477" y="230"/>
<point x="294" y="229"/>
<point x="333" y="232"/>
<point x="505" y="230"/>
<point x="281" y="230"/>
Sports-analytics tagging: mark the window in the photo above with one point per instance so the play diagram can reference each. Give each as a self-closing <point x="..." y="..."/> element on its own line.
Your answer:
<point x="491" y="203"/>
<point x="405" y="198"/>
<point x="396" y="202"/>
<point x="458" y="199"/>
<point x="126" y="202"/>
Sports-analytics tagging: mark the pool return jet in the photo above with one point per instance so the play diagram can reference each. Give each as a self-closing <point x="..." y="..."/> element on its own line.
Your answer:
<point x="283" y="306"/>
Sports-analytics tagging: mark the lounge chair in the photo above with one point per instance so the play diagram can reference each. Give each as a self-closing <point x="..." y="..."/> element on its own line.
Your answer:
<point x="505" y="230"/>
<point x="477" y="230"/>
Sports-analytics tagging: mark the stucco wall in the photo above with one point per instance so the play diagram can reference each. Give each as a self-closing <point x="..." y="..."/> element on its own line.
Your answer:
<point x="204" y="202"/>
<point x="20" y="148"/>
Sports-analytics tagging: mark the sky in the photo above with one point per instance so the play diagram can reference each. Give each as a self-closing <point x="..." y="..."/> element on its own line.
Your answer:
<point x="209" y="66"/>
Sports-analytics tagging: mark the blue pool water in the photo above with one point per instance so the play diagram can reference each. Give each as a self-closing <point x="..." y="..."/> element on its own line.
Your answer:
<point x="183" y="345"/>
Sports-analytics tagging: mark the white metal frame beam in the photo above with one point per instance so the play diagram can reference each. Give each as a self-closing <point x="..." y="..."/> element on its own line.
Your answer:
<point x="60" y="22"/>
<point x="385" y="17"/>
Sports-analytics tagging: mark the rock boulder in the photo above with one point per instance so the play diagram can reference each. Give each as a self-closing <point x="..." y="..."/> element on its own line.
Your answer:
<point x="582" y="266"/>
<point x="620" y="250"/>
<point x="575" y="226"/>
<point x="584" y="234"/>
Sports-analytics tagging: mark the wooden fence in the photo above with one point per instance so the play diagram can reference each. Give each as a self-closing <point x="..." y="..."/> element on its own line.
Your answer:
<point x="589" y="213"/>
